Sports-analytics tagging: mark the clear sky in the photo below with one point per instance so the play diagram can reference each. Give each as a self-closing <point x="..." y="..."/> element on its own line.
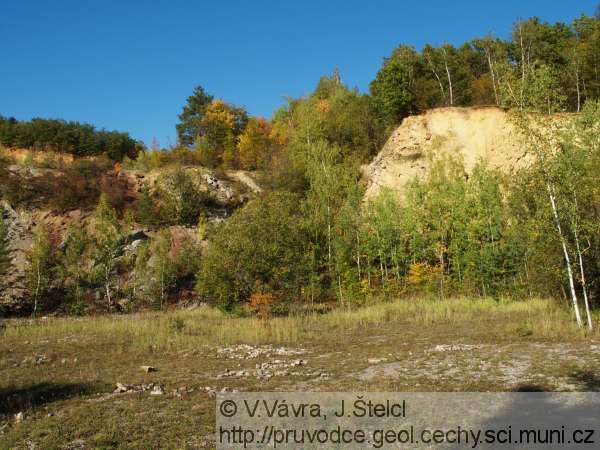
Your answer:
<point x="129" y="65"/>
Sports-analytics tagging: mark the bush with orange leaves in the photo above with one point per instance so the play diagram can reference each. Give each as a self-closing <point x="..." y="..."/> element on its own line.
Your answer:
<point x="261" y="304"/>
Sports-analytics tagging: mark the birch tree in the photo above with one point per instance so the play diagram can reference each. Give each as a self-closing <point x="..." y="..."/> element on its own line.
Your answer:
<point x="429" y="53"/>
<point x="162" y="268"/>
<point x="493" y="56"/>
<point x="39" y="267"/>
<point x="562" y="153"/>
<point x="106" y="235"/>
<point x="445" y="54"/>
<point x="72" y="268"/>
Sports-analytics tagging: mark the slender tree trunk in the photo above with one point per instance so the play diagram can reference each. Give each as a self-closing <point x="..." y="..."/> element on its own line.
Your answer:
<point x="381" y="269"/>
<point x="442" y="271"/>
<point x="522" y="62"/>
<point x="437" y="78"/>
<point x="107" y="285"/>
<point x="578" y="90"/>
<point x="368" y="271"/>
<point x="329" y="235"/>
<point x="583" y="285"/>
<point x="511" y="91"/>
<point x="566" y="254"/>
<point x="489" y="58"/>
<point x="37" y="290"/>
<point x="449" y="77"/>
<point x="527" y="277"/>
<point x="581" y="269"/>
<point x="358" y="253"/>
<point x="340" y="289"/>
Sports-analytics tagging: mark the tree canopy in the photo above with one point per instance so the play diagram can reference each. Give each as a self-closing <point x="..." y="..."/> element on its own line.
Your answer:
<point x="70" y="137"/>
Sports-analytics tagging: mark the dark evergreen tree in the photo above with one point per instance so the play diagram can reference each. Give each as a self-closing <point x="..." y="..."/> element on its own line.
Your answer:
<point x="191" y="116"/>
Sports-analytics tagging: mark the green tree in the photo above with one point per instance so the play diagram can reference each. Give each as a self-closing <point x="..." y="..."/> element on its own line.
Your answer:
<point x="146" y="210"/>
<point x="72" y="266"/>
<point x="162" y="269"/>
<point x="261" y="248"/>
<point x="329" y="179"/>
<point x="189" y="127"/>
<point x="255" y="146"/>
<point x="219" y="129"/>
<point x="493" y="52"/>
<point x="40" y="263"/>
<point x="585" y="57"/>
<point x="562" y="193"/>
<point x="180" y="200"/>
<point x="392" y="87"/>
<point x="106" y="240"/>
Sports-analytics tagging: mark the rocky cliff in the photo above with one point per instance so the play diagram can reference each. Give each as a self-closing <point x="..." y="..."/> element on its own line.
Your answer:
<point x="469" y="133"/>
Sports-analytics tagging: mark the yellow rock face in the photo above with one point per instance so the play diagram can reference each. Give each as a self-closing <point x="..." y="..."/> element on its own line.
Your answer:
<point x="470" y="133"/>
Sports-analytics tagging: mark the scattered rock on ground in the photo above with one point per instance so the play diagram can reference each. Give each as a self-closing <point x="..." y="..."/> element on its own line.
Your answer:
<point x="157" y="390"/>
<point x="376" y="360"/>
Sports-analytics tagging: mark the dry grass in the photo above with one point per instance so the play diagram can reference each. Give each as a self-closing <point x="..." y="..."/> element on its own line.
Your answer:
<point x="183" y="329"/>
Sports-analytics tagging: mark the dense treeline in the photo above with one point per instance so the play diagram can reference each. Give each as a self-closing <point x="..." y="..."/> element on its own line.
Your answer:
<point x="214" y="133"/>
<point x="541" y="66"/>
<point x="68" y="137"/>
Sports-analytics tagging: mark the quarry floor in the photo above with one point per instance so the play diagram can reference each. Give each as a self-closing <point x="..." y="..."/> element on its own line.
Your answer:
<point x="61" y="393"/>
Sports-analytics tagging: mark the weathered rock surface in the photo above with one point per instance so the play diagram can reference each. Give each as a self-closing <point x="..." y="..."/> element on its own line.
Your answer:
<point x="469" y="133"/>
<point x="19" y="240"/>
<point x="229" y="192"/>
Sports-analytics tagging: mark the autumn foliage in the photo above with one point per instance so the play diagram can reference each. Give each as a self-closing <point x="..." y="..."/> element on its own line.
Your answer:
<point x="261" y="304"/>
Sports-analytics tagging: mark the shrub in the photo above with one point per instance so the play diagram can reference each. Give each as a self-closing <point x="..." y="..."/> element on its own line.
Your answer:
<point x="261" y="304"/>
<point x="261" y="248"/>
<point x="180" y="201"/>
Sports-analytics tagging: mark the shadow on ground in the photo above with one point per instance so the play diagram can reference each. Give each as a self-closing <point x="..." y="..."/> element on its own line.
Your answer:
<point x="588" y="380"/>
<point x="15" y="399"/>
<point x="526" y="387"/>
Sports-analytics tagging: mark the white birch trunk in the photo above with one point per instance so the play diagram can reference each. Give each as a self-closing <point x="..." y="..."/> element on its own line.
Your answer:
<point x="437" y="78"/>
<point x="449" y="77"/>
<point x="489" y="58"/>
<point x="583" y="285"/>
<point x="566" y="255"/>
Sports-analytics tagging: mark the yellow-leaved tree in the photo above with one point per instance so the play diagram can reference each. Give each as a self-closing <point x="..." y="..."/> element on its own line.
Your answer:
<point x="255" y="145"/>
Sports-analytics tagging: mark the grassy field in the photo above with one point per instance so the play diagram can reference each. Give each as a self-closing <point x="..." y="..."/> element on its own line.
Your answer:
<point x="61" y="372"/>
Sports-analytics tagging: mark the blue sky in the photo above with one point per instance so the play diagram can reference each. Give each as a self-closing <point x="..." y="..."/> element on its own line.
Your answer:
<point x="129" y="65"/>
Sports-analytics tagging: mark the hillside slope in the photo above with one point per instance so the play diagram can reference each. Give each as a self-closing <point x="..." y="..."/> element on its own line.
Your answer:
<point x="470" y="133"/>
<point x="229" y="191"/>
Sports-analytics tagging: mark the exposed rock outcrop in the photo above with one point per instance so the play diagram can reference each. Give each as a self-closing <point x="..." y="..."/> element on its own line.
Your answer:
<point x="471" y="133"/>
<point x="228" y="192"/>
<point x="19" y="240"/>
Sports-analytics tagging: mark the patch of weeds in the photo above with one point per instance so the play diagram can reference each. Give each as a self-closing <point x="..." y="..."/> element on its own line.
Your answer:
<point x="522" y="329"/>
<point x="176" y="324"/>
